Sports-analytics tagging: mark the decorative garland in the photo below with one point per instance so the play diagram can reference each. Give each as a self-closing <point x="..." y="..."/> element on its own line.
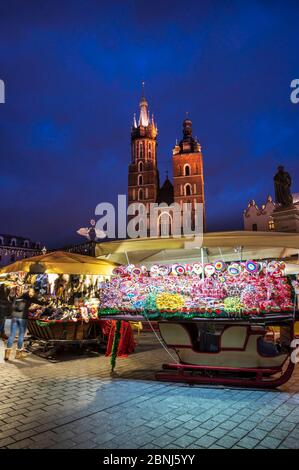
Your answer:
<point x="168" y="315"/>
<point x="116" y="340"/>
<point x="45" y="323"/>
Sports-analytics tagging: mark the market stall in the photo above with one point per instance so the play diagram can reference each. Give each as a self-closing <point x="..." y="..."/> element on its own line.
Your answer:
<point x="227" y="308"/>
<point x="64" y="287"/>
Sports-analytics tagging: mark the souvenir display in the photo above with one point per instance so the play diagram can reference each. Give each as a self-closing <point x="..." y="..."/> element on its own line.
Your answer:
<point x="194" y="290"/>
<point x="61" y="298"/>
<point x="84" y="310"/>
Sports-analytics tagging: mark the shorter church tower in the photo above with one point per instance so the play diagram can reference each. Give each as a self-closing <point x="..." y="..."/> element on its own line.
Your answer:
<point x="143" y="170"/>
<point x="188" y="179"/>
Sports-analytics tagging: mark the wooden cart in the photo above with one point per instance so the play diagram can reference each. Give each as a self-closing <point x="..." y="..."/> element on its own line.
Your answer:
<point x="52" y="336"/>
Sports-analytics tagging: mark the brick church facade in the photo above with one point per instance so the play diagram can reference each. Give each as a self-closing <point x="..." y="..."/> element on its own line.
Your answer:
<point x="187" y="164"/>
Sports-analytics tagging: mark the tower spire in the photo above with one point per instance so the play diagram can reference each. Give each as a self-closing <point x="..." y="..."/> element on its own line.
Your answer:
<point x="144" y="119"/>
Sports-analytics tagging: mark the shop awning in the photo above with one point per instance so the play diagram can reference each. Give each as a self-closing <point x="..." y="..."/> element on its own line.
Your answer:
<point x="60" y="262"/>
<point x="228" y="246"/>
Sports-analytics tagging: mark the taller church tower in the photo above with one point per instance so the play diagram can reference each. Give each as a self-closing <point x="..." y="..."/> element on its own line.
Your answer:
<point x="143" y="170"/>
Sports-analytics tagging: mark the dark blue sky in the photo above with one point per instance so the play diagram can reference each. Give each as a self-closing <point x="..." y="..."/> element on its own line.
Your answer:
<point x="73" y="70"/>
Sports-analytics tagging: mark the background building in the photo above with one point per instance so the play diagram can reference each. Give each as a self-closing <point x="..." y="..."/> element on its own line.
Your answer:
<point x="261" y="218"/>
<point x="13" y="248"/>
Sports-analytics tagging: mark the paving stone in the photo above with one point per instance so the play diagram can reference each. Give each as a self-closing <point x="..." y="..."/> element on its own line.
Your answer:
<point x="228" y="425"/>
<point x="248" y="425"/>
<point x="209" y="425"/>
<point x="238" y="432"/>
<point x="279" y="434"/>
<point x="7" y="433"/>
<point x="270" y="442"/>
<point x="291" y="443"/>
<point x="178" y="432"/>
<point x="257" y="433"/>
<point x="162" y="440"/>
<point x="227" y="442"/>
<point x="218" y="432"/>
<point x="287" y="426"/>
<point x="198" y="432"/>
<point x="191" y="424"/>
<point x="205" y="441"/>
<point x="248" y="442"/>
<point x="266" y="425"/>
<point x="184" y="441"/>
<point x="25" y="444"/>
<point x="6" y="441"/>
<point x="174" y="423"/>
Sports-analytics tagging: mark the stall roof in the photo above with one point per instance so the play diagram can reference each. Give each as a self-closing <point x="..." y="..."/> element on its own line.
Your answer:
<point x="228" y="246"/>
<point x="61" y="262"/>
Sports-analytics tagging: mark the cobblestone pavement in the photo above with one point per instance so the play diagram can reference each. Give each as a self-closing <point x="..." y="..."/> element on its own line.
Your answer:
<point x="77" y="404"/>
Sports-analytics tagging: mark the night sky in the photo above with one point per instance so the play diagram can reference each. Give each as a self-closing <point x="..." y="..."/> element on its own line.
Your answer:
<point x="73" y="72"/>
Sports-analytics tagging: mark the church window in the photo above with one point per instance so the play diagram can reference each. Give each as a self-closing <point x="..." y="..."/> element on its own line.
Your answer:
<point x="141" y="150"/>
<point x="140" y="180"/>
<point x="140" y="166"/>
<point x="140" y="195"/>
<point x="188" y="190"/>
<point x="187" y="170"/>
<point x="149" y="150"/>
<point x="254" y="227"/>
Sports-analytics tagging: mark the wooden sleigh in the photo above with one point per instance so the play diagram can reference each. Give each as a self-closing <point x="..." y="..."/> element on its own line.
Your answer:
<point x="236" y="357"/>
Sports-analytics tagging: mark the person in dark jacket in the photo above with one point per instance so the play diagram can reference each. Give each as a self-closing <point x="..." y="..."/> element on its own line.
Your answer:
<point x="19" y="320"/>
<point x="5" y="307"/>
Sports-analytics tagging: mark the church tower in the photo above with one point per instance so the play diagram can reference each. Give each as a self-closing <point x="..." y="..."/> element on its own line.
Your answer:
<point x="143" y="170"/>
<point x="188" y="180"/>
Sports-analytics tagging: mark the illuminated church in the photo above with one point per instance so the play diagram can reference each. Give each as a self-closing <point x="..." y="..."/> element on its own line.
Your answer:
<point x="187" y="164"/>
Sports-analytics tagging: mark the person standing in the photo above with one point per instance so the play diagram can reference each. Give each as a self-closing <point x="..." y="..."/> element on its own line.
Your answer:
<point x="19" y="320"/>
<point x="5" y="307"/>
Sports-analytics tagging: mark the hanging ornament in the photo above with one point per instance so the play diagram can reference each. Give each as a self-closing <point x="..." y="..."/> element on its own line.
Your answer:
<point x="220" y="266"/>
<point x="188" y="268"/>
<point x="234" y="269"/>
<point x="118" y="271"/>
<point x="163" y="270"/>
<point x="197" y="268"/>
<point x="252" y="266"/>
<point x="282" y="266"/>
<point x="179" y="269"/>
<point x="130" y="268"/>
<point x="209" y="269"/>
<point x="136" y="272"/>
<point x="154" y="270"/>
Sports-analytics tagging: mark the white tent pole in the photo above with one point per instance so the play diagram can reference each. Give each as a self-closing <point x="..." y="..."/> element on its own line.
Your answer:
<point x="128" y="262"/>
<point x="202" y="263"/>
